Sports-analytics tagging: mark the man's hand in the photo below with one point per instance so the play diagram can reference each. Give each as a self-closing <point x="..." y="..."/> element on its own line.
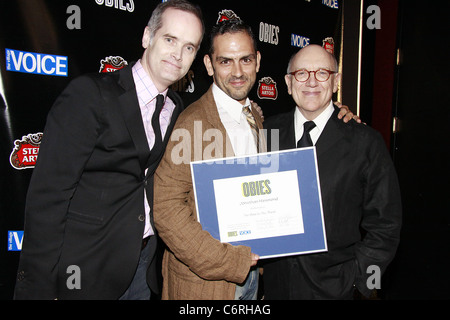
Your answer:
<point x="257" y="108"/>
<point x="255" y="259"/>
<point x="346" y="113"/>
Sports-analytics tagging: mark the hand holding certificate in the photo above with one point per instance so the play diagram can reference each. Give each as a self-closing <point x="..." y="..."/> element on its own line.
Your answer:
<point x="275" y="211"/>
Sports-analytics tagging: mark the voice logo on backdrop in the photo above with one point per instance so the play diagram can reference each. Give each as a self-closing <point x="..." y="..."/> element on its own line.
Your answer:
<point x="333" y="4"/>
<point x="36" y="63"/>
<point x="15" y="240"/>
<point x="299" y="41"/>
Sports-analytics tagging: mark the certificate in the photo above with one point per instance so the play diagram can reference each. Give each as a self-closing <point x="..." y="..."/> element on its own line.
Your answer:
<point x="245" y="215"/>
<point x="270" y="202"/>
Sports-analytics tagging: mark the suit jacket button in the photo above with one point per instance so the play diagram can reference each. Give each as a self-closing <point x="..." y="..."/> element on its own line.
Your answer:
<point x="21" y="275"/>
<point x="141" y="218"/>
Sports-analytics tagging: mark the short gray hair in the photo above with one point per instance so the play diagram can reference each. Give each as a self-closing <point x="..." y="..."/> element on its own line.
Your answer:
<point x="155" y="22"/>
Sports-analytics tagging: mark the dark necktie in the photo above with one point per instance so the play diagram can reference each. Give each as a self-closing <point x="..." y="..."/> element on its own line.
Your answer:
<point x="306" y="141"/>
<point x="155" y="118"/>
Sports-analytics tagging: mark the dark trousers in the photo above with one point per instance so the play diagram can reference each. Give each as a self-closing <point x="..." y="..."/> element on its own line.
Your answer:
<point x="139" y="289"/>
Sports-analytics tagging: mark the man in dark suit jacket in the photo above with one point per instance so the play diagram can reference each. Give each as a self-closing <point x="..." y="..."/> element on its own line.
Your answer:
<point x="87" y="219"/>
<point x="360" y="192"/>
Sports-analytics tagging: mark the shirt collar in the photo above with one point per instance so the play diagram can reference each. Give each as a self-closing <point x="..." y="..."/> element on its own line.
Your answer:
<point x="231" y="106"/>
<point x="145" y="89"/>
<point x="320" y="121"/>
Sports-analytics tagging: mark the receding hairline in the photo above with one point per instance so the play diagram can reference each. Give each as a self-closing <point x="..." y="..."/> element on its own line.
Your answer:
<point x="330" y="55"/>
<point x="155" y="21"/>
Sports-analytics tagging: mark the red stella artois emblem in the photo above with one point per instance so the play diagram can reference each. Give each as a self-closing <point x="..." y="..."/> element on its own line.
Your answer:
<point x="111" y="64"/>
<point x="25" y="152"/>
<point x="328" y="44"/>
<point x="227" y="15"/>
<point x="267" y="89"/>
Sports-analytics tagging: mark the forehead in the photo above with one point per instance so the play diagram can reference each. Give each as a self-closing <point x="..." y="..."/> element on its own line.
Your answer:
<point x="181" y="24"/>
<point x="235" y="43"/>
<point x="313" y="58"/>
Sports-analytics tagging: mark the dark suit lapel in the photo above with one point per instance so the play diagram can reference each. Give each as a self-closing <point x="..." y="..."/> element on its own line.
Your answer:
<point x="287" y="133"/>
<point x="331" y="133"/>
<point x="280" y="133"/>
<point x="131" y="112"/>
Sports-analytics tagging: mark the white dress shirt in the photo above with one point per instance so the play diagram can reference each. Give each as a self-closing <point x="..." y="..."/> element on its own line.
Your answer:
<point x="320" y="121"/>
<point x="235" y="122"/>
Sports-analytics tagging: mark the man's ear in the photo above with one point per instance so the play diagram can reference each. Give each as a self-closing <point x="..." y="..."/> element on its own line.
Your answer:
<point x="146" y="38"/>
<point x="258" y="61"/>
<point x="208" y="65"/>
<point x="287" y="79"/>
<point x="337" y="81"/>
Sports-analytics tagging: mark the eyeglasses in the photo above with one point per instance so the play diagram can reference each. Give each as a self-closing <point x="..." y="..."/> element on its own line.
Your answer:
<point x="321" y="75"/>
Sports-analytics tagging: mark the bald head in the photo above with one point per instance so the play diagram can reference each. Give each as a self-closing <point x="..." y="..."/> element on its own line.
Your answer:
<point x="312" y="96"/>
<point x="313" y="49"/>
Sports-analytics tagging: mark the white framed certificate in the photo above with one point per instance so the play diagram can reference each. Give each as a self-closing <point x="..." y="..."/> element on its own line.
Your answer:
<point x="258" y="206"/>
<point x="270" y="202"/>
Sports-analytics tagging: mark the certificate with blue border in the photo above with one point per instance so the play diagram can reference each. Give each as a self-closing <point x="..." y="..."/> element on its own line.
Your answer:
<point x="270" y="202"/>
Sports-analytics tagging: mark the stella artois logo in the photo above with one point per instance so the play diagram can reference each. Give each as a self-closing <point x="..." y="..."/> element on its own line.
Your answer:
<point x="267" y="89"/>
<point x="25" y="152"/>
<point x="111" y="64"/>
<point x="227" y="15"/>
<point x="328" y="45"/>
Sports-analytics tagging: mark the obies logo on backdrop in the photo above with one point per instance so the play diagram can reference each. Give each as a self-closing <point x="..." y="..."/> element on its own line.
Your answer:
<point x="111" y="64"/>
<point x="25" y="152"/>
<point x="36" y="63"/>
<point x="185" y="84"/>
<point x="117" y="4"/>
<point x="269" y="33"/>
<point x="227" y="15"/>
<point x="267" y="89"/>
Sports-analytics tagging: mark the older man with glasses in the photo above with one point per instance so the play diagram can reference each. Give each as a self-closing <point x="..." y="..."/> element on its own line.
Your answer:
<point x="360" y="192"/>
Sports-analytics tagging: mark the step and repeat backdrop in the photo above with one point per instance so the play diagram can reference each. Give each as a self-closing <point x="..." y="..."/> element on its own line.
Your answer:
<point x="47" y="43"/>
